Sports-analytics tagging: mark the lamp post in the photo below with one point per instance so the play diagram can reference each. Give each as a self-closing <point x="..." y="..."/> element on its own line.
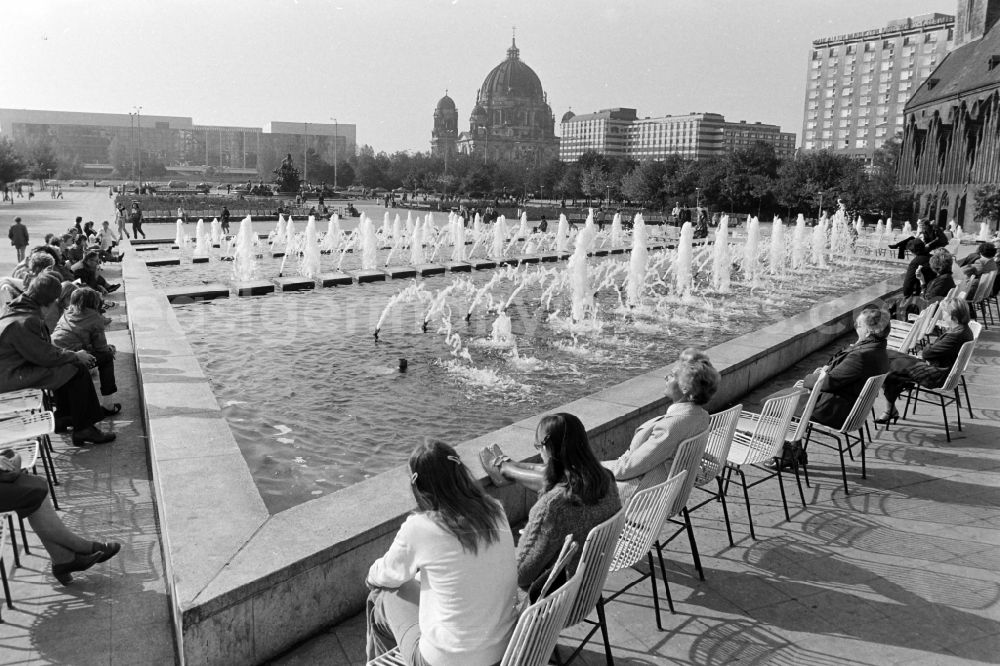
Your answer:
<point x="131" y="144"/>
<point x="138" y="141"/>
<point x="336" y="133"/>
<point x="305" y="162"/>
<point x="697" y="199"/>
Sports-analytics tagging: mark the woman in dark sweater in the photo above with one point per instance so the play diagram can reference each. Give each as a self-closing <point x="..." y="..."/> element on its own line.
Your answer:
<point x="938" y="288"/>
<point x="932" y="367"/>
<point x="920" y="262"/>
<point x="575" y="493"/>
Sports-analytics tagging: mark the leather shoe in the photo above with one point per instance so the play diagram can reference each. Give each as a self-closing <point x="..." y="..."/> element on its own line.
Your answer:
<point x="107" y="549"/>
<point x="64" y="572"/>
<point x="91" y="435"/>
<point x="113" y="287"/>
<point x="117" y="407"/>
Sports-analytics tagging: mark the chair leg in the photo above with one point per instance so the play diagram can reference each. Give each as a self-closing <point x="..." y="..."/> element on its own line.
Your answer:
<point x="861" y="439"/>
<point x="694" y="544"/>
<point x="958" y="409"/>
<point x="843" y="464"/>
<point x="13" y="539"/>
<point x="781" y="486"/>
<point x="944" y="415"/>
<point x="968" y="403"/>
<point x="798" y="482"/>
<point x="47" y="446"/>
<point x="725" y="511"/>
<point x="656" y="595"/>
<point x="6" y="585"/>
<point x="906" y="408"/>
<point x="663" y="575"/>
<point x="604" y="632"/>
<point x="24" y="536"/>
<point x="746" y="498"/>
<point x="49" y="469"/>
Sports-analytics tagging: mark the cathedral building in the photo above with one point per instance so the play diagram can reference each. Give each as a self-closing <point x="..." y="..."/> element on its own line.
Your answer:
<point x="512" y="119"/>
<point x="951" y="139"/>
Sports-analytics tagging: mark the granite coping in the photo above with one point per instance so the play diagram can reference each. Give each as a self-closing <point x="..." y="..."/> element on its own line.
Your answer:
<point x="226" y="562"/>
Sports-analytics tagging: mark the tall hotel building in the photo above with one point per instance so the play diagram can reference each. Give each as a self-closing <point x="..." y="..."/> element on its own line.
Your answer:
<point x="620" y="132"/>
<point x="859" y="83"/>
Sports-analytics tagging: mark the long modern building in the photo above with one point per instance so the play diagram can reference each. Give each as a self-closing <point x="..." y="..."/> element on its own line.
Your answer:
<point x="857" y="84"/>
<point x="103" y="142"/>
<point x="698" y="136"/>
<point x="951" y="143"/>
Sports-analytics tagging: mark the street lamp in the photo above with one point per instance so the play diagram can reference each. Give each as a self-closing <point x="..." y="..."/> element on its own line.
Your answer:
<point x="138" y="140"/>
<point x="305" y="162"/>
<point x="697" y="199"/>
<point x="336" y="131"/>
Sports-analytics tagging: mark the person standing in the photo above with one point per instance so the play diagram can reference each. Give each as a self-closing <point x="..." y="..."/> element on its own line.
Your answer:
<point x="135" y="218"/>
<point x="224" y="219"/>
<point x="120" y="218"/>
<point x="18" y="235"/>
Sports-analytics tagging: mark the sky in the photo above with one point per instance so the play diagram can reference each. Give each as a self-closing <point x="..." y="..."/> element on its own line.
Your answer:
<point x="384" y="64"/>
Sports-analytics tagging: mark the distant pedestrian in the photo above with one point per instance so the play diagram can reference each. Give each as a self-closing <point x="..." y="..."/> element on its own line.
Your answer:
<point x="135" y="218"/>
<point x="543" y="225"/>
<point x="18" y="235"/>
<point x="58" y="192"/>
<point x="224" y="219"/>
<point x="120" y="218"/>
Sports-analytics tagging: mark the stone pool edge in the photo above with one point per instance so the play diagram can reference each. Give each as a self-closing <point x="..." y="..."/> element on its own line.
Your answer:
<point x="244" y="585"/>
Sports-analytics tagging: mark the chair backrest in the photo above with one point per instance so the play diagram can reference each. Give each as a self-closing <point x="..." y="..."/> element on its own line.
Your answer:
<point x="976" y="329"/>
<point x="644" y="517"/>
<point x="959" y="367"/>
<point x="803" y="423"/>
<point x="687" y="459"/>
<point x="863" y="405"/>
<point x="598" y="549"/>
<point x="25" y="426"/>
<point x="909" y="340"/>
<point x="931" y="320"/>
<point x="25" y="400"/>
<point x="538" y="628"/>
<point x="721" y="428"/>
<point x="771" y="428"/>
<point x="985" y="287"/>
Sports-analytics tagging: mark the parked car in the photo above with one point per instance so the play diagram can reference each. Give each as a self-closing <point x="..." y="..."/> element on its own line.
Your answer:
<point x="178" y="184"/>
<point x="79" y="183"/>
<point x="203" y="187"/>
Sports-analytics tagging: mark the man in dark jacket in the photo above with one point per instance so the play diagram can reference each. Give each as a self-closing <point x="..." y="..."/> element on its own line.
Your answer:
<point x="850" y="368"/>
<point x="28" y="359"/>
<point x="18" y="235"/>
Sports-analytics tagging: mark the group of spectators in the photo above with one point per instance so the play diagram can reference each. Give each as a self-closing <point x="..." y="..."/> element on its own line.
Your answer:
<point x="447" y="590"/>
<point x="52" y="334"/>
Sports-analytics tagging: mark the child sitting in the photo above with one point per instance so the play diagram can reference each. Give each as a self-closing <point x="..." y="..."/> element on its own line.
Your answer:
<point x="82" y="328"/>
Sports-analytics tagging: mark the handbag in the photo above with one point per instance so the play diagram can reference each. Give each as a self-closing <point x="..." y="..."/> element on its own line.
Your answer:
<point x="793" y="455"/>
<point x="7" y="475"/>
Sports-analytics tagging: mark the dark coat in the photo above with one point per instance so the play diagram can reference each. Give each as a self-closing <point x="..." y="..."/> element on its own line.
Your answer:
<point x="18" y="235"/>
<point x="938" y="288"/>
<point x="28" y="359"/>
<point x="911" y="284"/>
<point x="849" y="369"/>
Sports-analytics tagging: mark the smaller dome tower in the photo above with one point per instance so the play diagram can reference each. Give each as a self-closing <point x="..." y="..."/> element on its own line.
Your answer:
<point x="445" y="133"/>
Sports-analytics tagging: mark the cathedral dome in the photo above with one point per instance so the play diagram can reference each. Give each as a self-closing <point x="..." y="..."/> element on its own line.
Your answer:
<point x="478" y="111"/>
<point x="446" y="103"/>
<point x="512" y="78"/>
<point x="568" y="116"/>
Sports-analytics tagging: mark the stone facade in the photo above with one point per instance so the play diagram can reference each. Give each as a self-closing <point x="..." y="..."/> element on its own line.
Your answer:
<point x="444" y="137"/>
<point x="951" y="142"/>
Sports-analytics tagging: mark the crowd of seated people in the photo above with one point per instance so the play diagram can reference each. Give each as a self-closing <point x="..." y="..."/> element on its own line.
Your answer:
<point x="52" y="332"/>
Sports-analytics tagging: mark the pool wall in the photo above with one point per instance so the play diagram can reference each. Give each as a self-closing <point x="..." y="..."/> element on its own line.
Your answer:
<point x="245" y="585"/>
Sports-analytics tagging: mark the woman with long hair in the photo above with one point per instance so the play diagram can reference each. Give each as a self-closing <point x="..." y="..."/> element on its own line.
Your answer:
<point x="575" y="492"/>
<point x="445" y="591"/>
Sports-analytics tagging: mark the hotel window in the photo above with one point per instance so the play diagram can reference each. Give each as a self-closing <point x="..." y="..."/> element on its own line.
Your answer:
<point x="860" y="143"/>
<point x="866" y="100"/>
<point x="881" y="132"/>
<point x="861" y="134"/>
<point x="902" y="97"/>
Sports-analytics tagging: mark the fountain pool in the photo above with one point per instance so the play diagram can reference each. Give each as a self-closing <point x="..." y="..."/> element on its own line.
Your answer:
<point x="316" y="404"/>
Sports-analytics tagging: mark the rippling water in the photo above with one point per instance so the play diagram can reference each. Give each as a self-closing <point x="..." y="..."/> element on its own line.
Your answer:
<point x="316" y="404"/>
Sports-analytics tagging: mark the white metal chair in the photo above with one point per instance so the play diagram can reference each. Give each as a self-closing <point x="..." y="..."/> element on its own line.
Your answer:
<point x="644" y="517"/>
<point x="538" y="626"/>
<point x="904" y="336"/>
<point x="595" y="561"/>
<point x="25" y="400"/>
<point x="948" y="392"/>
<point x="855" y="421"/>
<point x="760" y="445"/>
<point x="17" y="427"/>
<point x="980" y="299"/>
<point x="721" y="428"/>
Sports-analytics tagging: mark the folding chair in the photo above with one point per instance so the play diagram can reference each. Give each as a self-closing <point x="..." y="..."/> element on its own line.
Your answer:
<point x="855" y="421"/>
<point x="36" y="426"/>
<point x="982" y="297"/>
<point x="948" y="392"/>
<point x="3" y="567"/>
<point x="762" y="444"/>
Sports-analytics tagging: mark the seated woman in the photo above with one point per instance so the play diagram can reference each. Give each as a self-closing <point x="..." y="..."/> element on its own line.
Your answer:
<point x="27" y="494"/>
<point x="931" y="368"/>
<point x="690" y="384"/>
<point x="575" y="493"/>
<point x="82" y="327"/>
<point x="28" y="359"/>
<point x="920" y="262"/>
<point x="88" y="272"/>
<point x="445" y="590"/>
<point x="851" y="367"/>
<point x="941" y="262"/>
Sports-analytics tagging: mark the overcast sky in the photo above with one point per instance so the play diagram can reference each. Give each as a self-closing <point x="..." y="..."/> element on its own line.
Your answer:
<point x="383" y="64"/>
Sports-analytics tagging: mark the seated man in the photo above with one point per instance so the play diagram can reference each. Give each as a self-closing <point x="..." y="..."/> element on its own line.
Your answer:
<point x="28" y="359"/>
<point x="87" y="271"/>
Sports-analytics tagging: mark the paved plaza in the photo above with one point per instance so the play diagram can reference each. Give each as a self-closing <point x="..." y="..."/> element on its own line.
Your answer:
<point x="903" y="570"/>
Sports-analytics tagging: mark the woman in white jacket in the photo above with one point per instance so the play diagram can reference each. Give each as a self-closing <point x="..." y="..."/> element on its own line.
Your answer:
<point x="445" y="592"/>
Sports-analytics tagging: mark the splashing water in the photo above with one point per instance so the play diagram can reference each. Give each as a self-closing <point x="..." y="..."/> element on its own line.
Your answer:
<point x="721" y="260"/>
<point x="562" y="233"/>
<point x="636" y="280"/>
<point x="683" y="276"/>
<point x="777" y="260"/>
<point x="244" y="254"/>
<point x="179" y="238"/>
<point x="201" y="241"/>
<point x="499" y="238"/>
<point x="368" y="243"/>
<point x="819" y="244"/>
<point x="309" y="264"/>
<point x="216" y="232"/>
<point x="799" y="243"/>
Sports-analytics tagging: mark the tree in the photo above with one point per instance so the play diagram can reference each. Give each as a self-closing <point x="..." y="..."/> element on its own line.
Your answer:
<point x="884" y="194"/>
<point x="820" y="176"/>
<point x="12" y="164"/>
<point x="39" y="157"/>
<point x="988" y="204"/>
